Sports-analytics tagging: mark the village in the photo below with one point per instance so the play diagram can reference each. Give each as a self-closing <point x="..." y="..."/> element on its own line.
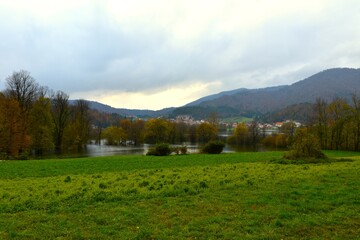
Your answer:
<point x="265" y="128"/>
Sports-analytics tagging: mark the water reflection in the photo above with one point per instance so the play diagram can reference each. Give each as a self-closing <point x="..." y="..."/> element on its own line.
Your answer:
<point x="94" y="150"/>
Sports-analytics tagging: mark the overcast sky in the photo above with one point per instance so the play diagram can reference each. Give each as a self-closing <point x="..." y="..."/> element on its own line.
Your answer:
<point x="151" y="54"/>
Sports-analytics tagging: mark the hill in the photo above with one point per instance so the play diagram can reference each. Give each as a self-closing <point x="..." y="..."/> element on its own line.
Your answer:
<point x="270" y="103"/>
<point x="328" y="84"/>
<point x="127" y="112"/>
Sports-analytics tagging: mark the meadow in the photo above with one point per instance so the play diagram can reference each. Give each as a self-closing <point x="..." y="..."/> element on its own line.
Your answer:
<point x="226" y="196"/>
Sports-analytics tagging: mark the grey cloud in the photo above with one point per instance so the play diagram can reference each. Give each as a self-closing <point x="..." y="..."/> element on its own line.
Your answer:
<point x="94" y="53"/>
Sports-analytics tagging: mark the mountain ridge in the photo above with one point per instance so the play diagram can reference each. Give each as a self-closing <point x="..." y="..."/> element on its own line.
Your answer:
<point x="327" y="84"/>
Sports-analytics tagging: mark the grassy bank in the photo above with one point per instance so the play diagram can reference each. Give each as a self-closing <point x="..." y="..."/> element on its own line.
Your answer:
<point x="227" y="196"/>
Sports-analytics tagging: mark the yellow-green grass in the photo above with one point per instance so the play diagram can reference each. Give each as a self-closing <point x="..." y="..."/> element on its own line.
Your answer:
<point x="227" y="196"/>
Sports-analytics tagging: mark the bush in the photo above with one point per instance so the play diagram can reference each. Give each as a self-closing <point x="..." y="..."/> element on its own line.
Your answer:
<point x="183" y="150"/>
<point x="179" y="150"/>
<point x="213" y="147"/>
<point x="305" y="146"/>
<point x="162" y="149"/>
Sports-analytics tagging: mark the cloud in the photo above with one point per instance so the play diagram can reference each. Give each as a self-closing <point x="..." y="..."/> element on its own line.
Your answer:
<point x="174" y="96"/>
<point x="107" y="50"/>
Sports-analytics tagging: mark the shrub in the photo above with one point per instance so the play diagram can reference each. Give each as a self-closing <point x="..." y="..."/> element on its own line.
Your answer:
<point x="162" y="149"/>
<point x="183" y="150"/>
<point x="305" y="146"/>
<point x="213" y="147"/>
<point x="179" y="150"/>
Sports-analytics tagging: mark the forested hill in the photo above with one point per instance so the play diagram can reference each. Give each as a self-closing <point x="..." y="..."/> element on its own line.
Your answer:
<point x="328" y="84"/>
<point x="126" y="112"/>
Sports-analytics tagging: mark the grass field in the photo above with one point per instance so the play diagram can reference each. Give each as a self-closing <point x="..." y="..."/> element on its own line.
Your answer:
<point x="227" y="196"/>
<point x="236" y="119"/>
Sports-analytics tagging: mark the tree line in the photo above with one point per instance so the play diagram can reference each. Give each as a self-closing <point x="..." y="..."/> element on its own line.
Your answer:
<point x="35" y="120"/>
<point x="158" y="130"/>
<point x="337" y="123"/>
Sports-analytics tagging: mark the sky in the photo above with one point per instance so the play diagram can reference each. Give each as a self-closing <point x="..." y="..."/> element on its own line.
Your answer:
<point x="153" y="54"/>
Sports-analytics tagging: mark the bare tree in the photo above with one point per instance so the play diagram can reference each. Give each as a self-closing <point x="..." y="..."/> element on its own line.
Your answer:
<point x="61" y="116"/>
<point x="22" y="87"/>
<point x="81" y="123"/>
<point x="321" y="116"/>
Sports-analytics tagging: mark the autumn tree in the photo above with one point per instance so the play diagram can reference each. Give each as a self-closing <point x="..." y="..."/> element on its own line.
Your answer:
<point x="157" y="131"/>
<point x="10" y="128"/>
<point x="338" y="115"/>
<point x="288" y="129"/>
<point x="114" y="135"/>
<point x="41" y="126"/>
<point x="275" y="140"/>
<point x="240" y="135"/>
<point x="206" y="132"/>
<point x="134" y="130"/>
<point x="337" y="124"/>
<point x="137" y="131"/>
<point x="126" y="126"/>
<point x="22" y="87"/>
<point x="305" y="145"/>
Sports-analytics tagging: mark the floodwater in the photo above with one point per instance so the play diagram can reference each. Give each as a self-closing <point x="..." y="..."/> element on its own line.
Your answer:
<point x="95" y="150"/>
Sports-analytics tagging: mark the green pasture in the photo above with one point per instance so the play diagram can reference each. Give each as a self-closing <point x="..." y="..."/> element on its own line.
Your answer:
<point x="236" y="119"/>
<point x="226" y="196"/>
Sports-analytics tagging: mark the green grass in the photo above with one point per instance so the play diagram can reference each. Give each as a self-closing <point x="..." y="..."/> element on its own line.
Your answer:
<point x="227" y="196"/>
<point x="236" y="119"/>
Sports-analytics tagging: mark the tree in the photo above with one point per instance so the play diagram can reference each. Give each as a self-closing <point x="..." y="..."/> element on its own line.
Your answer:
<point x="322" y="121"/>
<point x="254" y="133"/>
<point x="355" y="112"/>
<point x="41" y="126"/>
<point x="181" y="130"/>
<point x="157" y="131"/>
<point x="126" y="126"/>
<point x="137" y="131"/>
<point x="288" y="129"/>
<point x="240" y="135"/>
<point x="338" y="115"/>
<point x="11" y="137"/>
<point x="276" y="140"/>
<point x="22" y="87"/>
<point x="213" y="147"/>
<point x="305" y="145"/>
<point x="79" y="133"/>
<point x="61" y="117"/>
<point x="206" y="132"/>
<point x="114" y="135"/>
